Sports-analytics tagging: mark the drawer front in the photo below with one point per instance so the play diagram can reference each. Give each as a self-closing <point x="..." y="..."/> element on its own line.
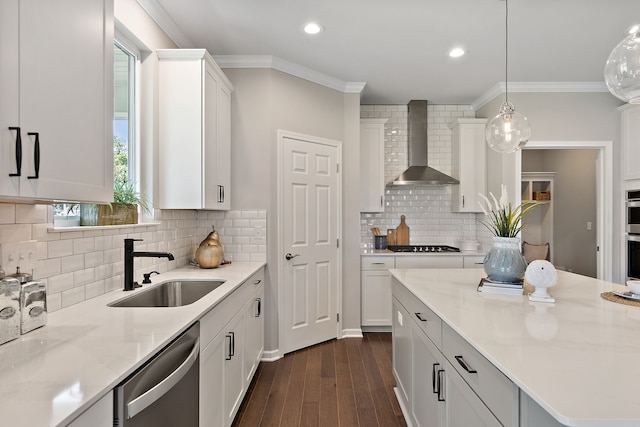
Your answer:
<point x="492" y="386"/>
<point x="429" y="261"/>
<point x="426" y="319"/>
<point x="213" y="322"/>
<point x="473" y="261"/>
<point x="378" y="262"/>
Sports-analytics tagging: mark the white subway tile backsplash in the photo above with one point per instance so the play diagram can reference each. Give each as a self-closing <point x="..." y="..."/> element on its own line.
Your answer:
<point x="73" y="296"/>
<point x="72" y="263"/>
<point x="59" y="248"/>
<point x="60" y="283"/>
<point x="7" y="214"/>
<point x="427" y="209"/>
<point x="30" y="214"/>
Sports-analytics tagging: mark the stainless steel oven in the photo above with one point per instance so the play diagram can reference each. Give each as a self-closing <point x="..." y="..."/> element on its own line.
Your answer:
<point x="633" y="234"/>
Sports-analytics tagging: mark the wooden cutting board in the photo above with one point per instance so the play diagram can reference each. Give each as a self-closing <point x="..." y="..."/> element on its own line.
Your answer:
<point x="402" y="233"/>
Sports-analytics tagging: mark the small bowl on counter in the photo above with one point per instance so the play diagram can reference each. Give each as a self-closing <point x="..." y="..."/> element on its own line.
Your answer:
<point x="634" y="286"/>
<point x="469" y="245"/>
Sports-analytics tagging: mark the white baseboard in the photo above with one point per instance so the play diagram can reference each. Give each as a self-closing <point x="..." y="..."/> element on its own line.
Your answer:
<point x="403" y="407"/>
<point x="271" y="355"/>
<point x="351" y="333"/>
<point x="376" y="329"/>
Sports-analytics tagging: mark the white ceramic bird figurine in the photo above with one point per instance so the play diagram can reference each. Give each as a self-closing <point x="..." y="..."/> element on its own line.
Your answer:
<point x="542" y="275"/>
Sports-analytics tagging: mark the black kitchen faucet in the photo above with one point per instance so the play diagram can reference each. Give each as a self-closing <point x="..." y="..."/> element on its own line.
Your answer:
<point x="129" y="255"/>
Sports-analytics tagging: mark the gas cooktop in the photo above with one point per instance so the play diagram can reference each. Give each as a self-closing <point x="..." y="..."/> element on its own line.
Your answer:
<point x="423" y="248"/>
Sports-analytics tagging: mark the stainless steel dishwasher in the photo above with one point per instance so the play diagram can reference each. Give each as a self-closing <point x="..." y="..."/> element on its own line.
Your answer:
<point x="163" y="392"/>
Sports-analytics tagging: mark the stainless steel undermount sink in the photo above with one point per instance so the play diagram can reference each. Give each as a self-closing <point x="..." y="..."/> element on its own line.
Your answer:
<point x="174" y="293"/>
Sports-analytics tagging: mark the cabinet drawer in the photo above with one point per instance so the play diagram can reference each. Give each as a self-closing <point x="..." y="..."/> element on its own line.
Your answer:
<point x="429" y="261"/>
<point x="492" y="386"/>
<point x="474" y="261"/>
<point x="213" y="322"/>
<point x="423" y="316"/>
<point x="378" y="262"/>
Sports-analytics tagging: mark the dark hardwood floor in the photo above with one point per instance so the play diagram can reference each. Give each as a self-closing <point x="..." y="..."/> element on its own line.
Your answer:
<point x="345" y="382"/>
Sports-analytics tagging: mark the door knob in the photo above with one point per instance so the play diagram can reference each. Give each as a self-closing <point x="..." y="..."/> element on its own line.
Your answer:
<point x="289" y="257"/>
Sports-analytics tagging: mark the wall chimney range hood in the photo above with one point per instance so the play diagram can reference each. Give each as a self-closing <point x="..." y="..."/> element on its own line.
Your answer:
<point x="419" y="173"/>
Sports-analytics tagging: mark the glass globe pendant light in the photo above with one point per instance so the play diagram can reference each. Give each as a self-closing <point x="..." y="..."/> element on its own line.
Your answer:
<point x="509" y="131"/>
<point x="622" y="70"/>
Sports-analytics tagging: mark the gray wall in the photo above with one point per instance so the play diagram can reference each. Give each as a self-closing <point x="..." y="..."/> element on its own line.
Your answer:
<point x="574" y="117"/>
<point x="574" y="204"/>
<point x="264" y="101"/>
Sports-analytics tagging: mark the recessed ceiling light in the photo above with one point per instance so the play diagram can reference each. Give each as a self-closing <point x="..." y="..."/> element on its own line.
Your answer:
<point x="456" y="52"/>
<point x="312" y="28"/>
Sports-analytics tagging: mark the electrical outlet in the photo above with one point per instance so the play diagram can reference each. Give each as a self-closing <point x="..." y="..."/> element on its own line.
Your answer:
<point x="19" y="254"/>
<point x="259" y="232"/>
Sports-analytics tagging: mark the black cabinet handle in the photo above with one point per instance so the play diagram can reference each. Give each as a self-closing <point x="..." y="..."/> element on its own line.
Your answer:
<point x="233" y="344"/>
<point x="257" y="282"/>
<point x="228" y="356"/>
<point x="421" y="317"/>
<point x="220" y="193"/>
<point x="440" y="398"/>
<point x="259" y="301"/>
<point x="433" y="378"/>
<point x="462" y="363"/>
<point x="36" y="155"/>
<point x="18" y="151"/>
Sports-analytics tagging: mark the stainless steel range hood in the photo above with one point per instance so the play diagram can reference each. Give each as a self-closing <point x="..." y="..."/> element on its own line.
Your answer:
<point x="419" y="173"/>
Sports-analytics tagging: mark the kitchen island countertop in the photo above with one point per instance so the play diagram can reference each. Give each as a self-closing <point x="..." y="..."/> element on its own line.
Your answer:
<point x="576" y="357"/>
<point x="51" y="375"/>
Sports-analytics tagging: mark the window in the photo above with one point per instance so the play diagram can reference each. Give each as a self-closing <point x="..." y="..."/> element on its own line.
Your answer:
<point x="125" y="134"/>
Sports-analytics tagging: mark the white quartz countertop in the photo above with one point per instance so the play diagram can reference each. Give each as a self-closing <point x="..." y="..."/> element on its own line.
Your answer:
<point x="51" y="375"/>
<point x="576" y="358"/>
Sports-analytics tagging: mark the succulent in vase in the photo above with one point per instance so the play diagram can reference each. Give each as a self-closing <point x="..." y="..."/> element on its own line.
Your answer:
<point x="503" y="219"/>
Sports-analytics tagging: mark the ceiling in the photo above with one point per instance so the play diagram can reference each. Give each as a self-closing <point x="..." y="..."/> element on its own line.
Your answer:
<point x="399" y="48"/>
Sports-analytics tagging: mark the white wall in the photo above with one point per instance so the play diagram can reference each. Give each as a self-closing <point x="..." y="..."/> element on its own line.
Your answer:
<point x="264" y="101"/>
<point x="572" y="117"/>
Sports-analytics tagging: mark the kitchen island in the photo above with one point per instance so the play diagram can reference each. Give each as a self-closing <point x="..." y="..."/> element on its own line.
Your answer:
<point x="50" y="376"/>
<point x="571" y="363"/>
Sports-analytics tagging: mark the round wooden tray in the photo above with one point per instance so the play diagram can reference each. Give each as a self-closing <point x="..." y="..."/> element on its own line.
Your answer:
<point x="610" y="296"/>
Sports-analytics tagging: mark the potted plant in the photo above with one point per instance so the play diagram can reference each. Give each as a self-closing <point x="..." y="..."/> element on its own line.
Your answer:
<point x="124" y="209"/>
<point x="504" y="262"/>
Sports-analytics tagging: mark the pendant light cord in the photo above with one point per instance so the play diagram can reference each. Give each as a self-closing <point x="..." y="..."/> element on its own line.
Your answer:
<point x="506" y="50"/>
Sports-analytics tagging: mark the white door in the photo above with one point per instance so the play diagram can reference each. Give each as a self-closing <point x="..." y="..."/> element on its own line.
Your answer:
<point x="309" y="232"/>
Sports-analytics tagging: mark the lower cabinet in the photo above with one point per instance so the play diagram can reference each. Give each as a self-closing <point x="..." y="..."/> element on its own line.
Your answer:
<point x="376" y="280"/>
<point x="229" y="360"/>
<point x="442" y="380"/>
<point x="100" y="414"/>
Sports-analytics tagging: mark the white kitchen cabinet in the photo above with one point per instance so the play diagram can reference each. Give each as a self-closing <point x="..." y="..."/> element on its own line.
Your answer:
<point x="376" y="281"/>
<point x="376" y="290"/>
<point x="372" y="165"/>
<point x="402" y="354"/>
<point x="630" y="141"/>
<point x="100" y="414"/>
<point x="463" y="407"/>
<point x="194" y="102"/>
<point x="56" y="112"/>
<point x="468" y="163"/>
<point x="254" y="328"/>
<point x="441" y="379"/>
<point x="232" y="340"/>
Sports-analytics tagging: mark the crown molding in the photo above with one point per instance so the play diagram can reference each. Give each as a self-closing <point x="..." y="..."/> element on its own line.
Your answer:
<point x="522" y="87"/>
<point x="164" y="21"/>
<point x="269" y="61"/>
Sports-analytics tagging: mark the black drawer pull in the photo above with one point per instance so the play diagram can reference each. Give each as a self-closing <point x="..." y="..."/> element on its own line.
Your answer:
<point x="259" y="301"/>
<point x="433" y="378"/>
<point x="257" y="282"/>
<point x="18" y="151"/>
<point x="36" y="155"/>
<point x="228" y="355"/>
<point x="421" y="317"/>
<point x="464" y="365"/>
<point x="440" y="398"/>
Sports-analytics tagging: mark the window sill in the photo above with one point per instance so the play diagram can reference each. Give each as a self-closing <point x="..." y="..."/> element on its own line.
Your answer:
<point x="53" y="229"/>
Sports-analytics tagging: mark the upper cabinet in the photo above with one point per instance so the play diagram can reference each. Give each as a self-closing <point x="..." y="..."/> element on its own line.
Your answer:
<point x="56" y="111"/>
<point x="372" y="165"/>
<point x="468" y="163"/>
<point x="194" y="102"/>
<point x="630" y="141"/>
